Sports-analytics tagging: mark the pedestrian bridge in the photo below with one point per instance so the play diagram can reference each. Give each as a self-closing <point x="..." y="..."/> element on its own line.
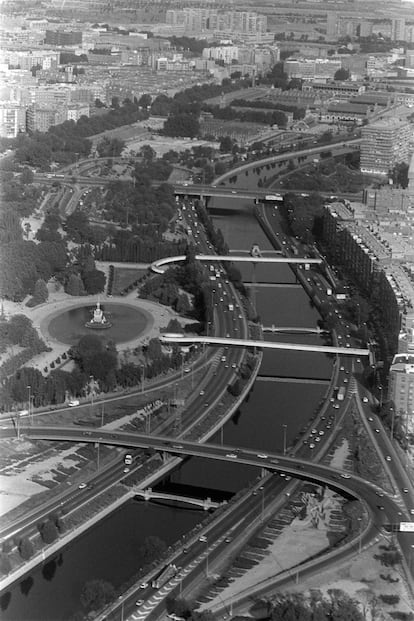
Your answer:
<point x="170" y="337"/>
<point x="149" y="494"/>
<point x="159" y="266"/>
<point x="274" y="328"/>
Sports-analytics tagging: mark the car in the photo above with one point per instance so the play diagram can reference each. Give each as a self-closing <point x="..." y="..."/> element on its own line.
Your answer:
<point x="227" y="539"/>
<point x="380" y="494"/>
<point x="223" y="359"/>
<point x="206" y="405"/>
<point x="82" y="485"/>
<point x="73" y="402"/>
<point x="342" y="368"/>
<point x="388" y="458"/>
<point x="201" y="392"/>
<point x="358" y="360"/>
<point x="317" y="439"/>
<point x="202" y="538"/>
<point x="345" y="380"/>
<point x="314" y="431"/>
<point x="143" y="585"/>
<point x="187" y="370"/>
<point x="321" y="433"/>
<point x="288" y="478"/>
<point x="231" y="455"/>
<point x="139" y="602"/>
<point x="274" y="461"/>
<point x="282" y="474"/>
<point x="336" y="406"/>
<point x="126" y="470"/>
<point x="312" y="445"/>
<point x="345" y="476"/>
<point x="177" y="446"/>
<point x="234" y="365"/>
<point x="380" y="507"/>
<point x="185" y="550"/>
<point x="377" y="431"/>
<point x="233" y="192"/>
<point x="262" y="455"/>
<point x="365" y="399"/>
<point x="371" y="420"/>
<point x="405" y="490"/>
<point x="412" y="511"/>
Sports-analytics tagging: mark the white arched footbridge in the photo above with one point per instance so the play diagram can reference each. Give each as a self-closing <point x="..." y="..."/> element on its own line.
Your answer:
<point x="159" y="266"/>
<point x="170" y="337"/>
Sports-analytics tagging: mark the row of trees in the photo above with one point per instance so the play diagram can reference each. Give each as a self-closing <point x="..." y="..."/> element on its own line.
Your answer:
<point x="335" y="606"/>
<point x="298" y="113"/>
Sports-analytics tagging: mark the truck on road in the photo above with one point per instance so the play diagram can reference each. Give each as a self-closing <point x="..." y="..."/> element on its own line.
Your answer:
<point x="167" y="573"/>
<point x="341" y="393"/>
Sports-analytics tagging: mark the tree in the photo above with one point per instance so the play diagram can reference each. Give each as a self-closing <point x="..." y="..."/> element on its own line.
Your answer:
<point x="95" y="594"/>
<point x="341" y="75"/>
<point x="153" y="548"/>
<point x="27" y="176"/>
<point x="147" y="152"/>
<point x="110" y="147"/>
<point x="154" y="350"/>
<point x="145" y="100"/>
<point x="5" y="564"/>
<point x="182" y="124"/>
<point x="74" y="285"/>
<point x="94" y="281"/>
<point x="226" y="144"/>
<point x="25" y="548"/>
<point x="41" y="293"/>
<point x="48" y="531"/>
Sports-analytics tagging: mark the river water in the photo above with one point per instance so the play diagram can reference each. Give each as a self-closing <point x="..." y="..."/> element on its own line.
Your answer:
<point x="111" y="550"/>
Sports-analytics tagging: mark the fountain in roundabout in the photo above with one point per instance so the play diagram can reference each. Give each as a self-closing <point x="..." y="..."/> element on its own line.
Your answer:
<point x="119" y="322"/>
<point x="98" y="321"/>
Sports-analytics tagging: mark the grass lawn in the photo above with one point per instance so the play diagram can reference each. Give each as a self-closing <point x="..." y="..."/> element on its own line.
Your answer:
<point x="124" y="276"/>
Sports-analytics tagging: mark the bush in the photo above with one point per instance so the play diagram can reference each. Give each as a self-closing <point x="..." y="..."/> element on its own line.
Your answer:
<point x="5" y="565"/>
<point x="391" y="600"/>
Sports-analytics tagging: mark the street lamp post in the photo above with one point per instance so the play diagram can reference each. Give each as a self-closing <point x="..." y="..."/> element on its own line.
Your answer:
<point x="380" y="392"/>
<point x="102" y="414"/>
<point x="360" y="535"/>
<point x="284" y="438"/>
<point x="29" y="388"/>
<point x="142" y="377"/>
<point x="392" y="423"/>
<point x="207" y="558"/>
<point x="262" y="512"/>
<point x="92" y="384"/>
<point x="411" y="558"/>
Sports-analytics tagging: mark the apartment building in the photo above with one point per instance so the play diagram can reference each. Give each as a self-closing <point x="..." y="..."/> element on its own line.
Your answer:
<point x="12" y="119"/>
<point x="63" y="37"/>
<point x="385" y="143"/>
<point x="311" y="69"/>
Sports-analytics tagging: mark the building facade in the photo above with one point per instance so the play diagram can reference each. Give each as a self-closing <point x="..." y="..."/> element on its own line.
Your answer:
<point x="385" y="143"/>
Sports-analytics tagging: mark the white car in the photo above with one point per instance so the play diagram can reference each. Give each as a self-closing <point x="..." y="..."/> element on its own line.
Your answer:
<point x="365" y="399"/>
<point x="73" y="402"/>
<point x="231" y="455"/>
<point x="262" y="456"/>
<point x="346" y="476"/>
<point x="82" y="485"/>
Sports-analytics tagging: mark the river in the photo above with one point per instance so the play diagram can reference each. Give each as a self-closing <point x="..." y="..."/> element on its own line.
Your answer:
<point x="111" y="550"/>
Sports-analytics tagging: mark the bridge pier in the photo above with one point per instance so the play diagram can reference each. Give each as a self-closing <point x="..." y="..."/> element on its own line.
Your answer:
<point x="206" y="504"/>
<point x="147" y="493"/>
